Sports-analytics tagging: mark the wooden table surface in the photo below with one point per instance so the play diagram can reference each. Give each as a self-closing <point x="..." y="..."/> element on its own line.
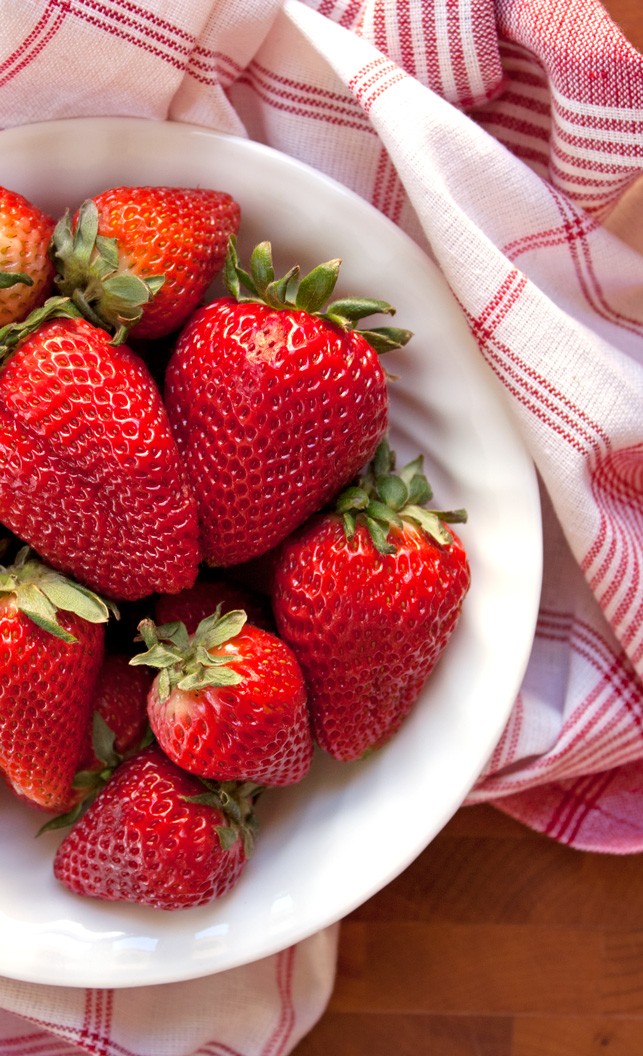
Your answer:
<point x="496" y="941"/>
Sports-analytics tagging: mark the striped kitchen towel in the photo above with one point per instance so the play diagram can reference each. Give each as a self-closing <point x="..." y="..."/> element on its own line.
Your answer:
<point x="506" y="137"/>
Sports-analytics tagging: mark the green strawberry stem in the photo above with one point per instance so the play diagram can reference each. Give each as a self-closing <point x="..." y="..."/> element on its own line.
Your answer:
<point x="382" y="499"/>
<point x="40" y="593"/>
<point x="308" y="293"/>
<point x="235" y="799"/>
<point x="192" y="662"/>
<point x="88" y="783"/>
<point x="90" y="273"/>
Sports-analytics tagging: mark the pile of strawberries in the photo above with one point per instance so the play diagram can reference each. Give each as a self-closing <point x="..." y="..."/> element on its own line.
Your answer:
<point x="211" y="562"/>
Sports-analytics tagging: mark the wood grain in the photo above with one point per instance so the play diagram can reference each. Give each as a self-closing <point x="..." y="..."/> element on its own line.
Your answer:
<point x="497" y="941"/>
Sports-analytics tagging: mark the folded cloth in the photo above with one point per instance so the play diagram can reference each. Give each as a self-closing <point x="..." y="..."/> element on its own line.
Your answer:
<point x="505" y="137"/>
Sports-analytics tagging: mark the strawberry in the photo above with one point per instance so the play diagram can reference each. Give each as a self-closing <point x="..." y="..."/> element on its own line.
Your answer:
<point x="52" y="637"/>
<point x="367" y="596"/>
<point x="275" y="403"/>
<point x="159" y="837"/>
<point x="192" y="605"/>
<point x="117" y="728"/>
<point x="26" y="272"/>
<point x="90" y="474"/>
<point x="229" y="702"/>
<point x="161" y="246"/>
<point x="120" y="700"/>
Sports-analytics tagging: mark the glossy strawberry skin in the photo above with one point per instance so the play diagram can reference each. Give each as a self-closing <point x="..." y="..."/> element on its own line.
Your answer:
<point x="366" y="628"/>
<point x="257" y="730"/>
<point x="25" y="234"/>
<point x="195" y="603"/>
<point x="274" y="411"/>
<point x="120" y="699"/>
<point x="181" y="233"/>
<point x="141" y="840"/>
<point x="90" y="475"/>
<point x="46" y="698"/>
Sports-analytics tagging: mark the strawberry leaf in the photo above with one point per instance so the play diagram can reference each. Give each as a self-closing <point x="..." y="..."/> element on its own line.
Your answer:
<point x="61" y="821"/>
<point x="126" y="292"/>
<point x="40" y="592"/>
<point x="276" y="293"/>
<point x="261" y="267"/>
<point x="34" y="604"/>
<point x="190" y="662"/>
<point x="215" y="630"/>
<point x="208" y="659"/>
<point x="8" y="583"/>
<point x="176" y="633"/>
<point x="228" y="836"/>
<point x="164" y="685"/>
<point x="348" y="522"/>
<point x="14" y="278"/>
<point x="72" y="597"/>
<point x="382" y="498"/>
<point x="353" y="499"/>
<point x="316" y="287"/>
<point x="383" y="460"/>
<point x="236" y="279"/>
<point x="160" y="655"/>
<point x="309" y="294"/>
<point x="103" y="741"/>
<point x="382" y="513"/>
<point x="84" y="237"/>
<point x="430" y="523"/>
<point x="379" y="537"/>
<point x="386" y="338"/>
<point x="419" y="490"/>
<point x="235" y="800"/>
<point x="355" y="308"/>
<point x="107" y="254"/>
<point x="91" y="273"/>
<point x="209" y="676"/>
<point x="54" y="308"/>
<point x="393" y="491"/>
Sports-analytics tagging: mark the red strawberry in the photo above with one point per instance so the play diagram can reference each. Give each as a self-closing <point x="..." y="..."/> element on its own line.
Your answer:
<point x="117" y="728"/>
<point x="229" y="702"/>
<point x="26" y="271"/>
<point x="158" y="836"/>
<point x="368" y="597"/>
<point x="121" y="702"/>
<point x="163" y="244"/>
<point x="275" y="404"/>
<point x="51" y="649"/>
<point x="90" y="474"/>
<point x="196" y="603"/>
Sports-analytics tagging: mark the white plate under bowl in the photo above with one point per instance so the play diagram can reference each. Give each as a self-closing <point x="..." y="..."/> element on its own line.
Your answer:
<point x="330" y="843"/>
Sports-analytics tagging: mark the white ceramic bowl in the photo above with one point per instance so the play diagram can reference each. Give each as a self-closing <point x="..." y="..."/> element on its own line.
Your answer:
<point x="330" y="843"/>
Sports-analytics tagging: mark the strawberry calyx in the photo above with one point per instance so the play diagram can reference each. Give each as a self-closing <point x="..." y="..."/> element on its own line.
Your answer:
<point x="88" y="783"/>
<point x="235" y="800"/>
<point x="91" y="273"/>
<point x="308" y="293"/>
<point x="53" y="308"/>
<point x="191" y="662"/>
<point x="383" y="498"/>
<point x="13" y="278"/>
<point x="40" y="593"/>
